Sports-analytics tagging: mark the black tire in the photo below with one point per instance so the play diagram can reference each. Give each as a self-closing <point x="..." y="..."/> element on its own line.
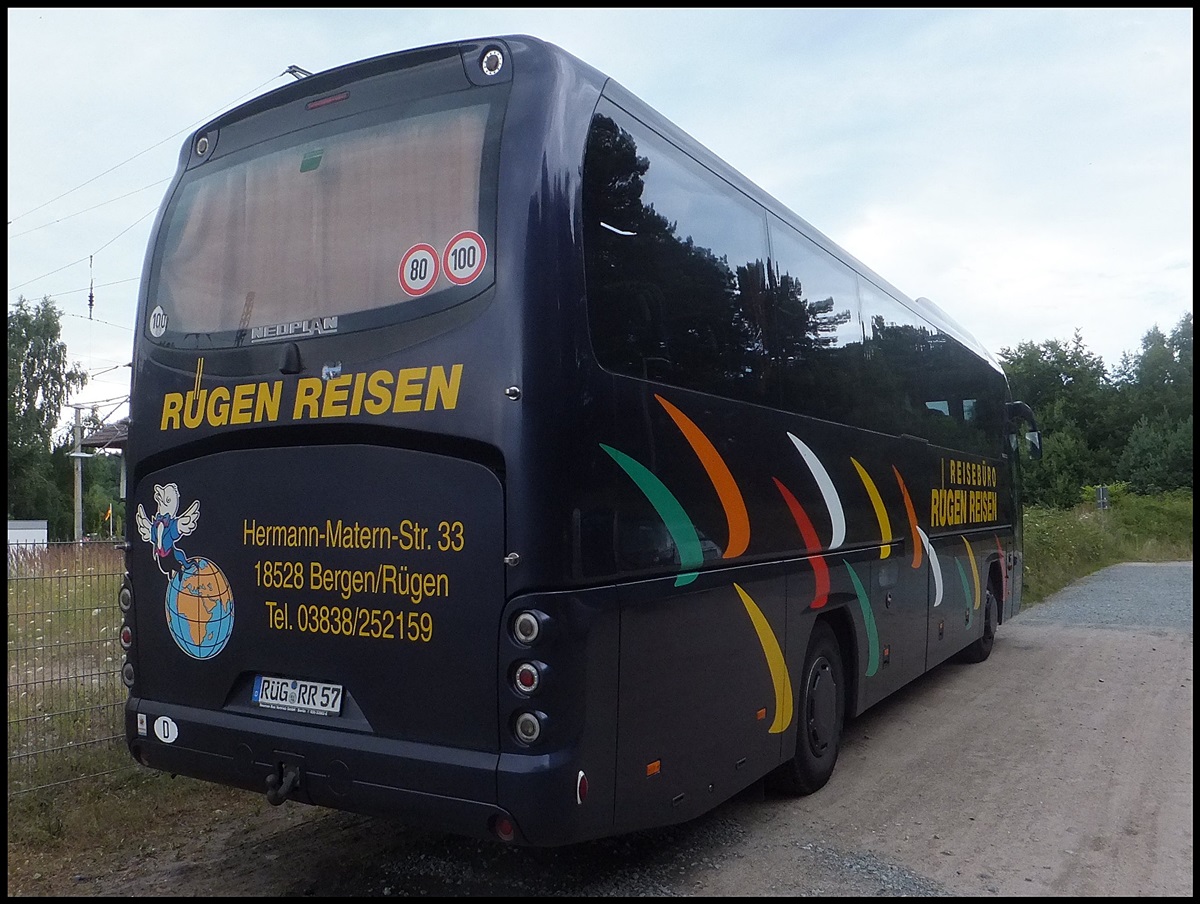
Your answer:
<point x="981" y="649"/>
<point x="820" y="716"/>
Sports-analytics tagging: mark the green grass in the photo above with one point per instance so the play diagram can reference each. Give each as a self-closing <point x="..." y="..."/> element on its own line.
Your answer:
<point x="1064" y="546"/>
<point x="64" y="695"/>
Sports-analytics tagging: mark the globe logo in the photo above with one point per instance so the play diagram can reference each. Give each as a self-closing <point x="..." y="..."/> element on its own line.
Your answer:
<point x="199" y="603"/>
<point x="200" y="608"/>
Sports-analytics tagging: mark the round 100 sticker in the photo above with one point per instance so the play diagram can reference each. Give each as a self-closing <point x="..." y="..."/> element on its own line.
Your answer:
<point x="418" y="269"/>
<point x="464" y="257"/>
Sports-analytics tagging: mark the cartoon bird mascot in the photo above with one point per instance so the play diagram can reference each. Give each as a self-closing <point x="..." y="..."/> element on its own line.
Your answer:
<point x="164" y="531"/>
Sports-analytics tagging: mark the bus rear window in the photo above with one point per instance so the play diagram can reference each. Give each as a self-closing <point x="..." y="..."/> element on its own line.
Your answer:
<point x="330" y="229"/>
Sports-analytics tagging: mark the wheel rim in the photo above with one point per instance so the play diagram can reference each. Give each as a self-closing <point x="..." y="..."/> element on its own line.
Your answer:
<point x="821" y="714"/>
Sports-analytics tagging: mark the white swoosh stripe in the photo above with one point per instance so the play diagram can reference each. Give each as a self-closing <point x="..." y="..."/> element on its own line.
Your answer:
<point x="935" y="565"/>
<point x="832" y="502"/>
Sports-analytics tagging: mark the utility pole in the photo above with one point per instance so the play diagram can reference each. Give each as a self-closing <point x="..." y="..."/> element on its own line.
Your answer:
<point x="78" y="456"/>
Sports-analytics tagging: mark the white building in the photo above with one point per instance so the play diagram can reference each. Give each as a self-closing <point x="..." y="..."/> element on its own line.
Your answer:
<point x="27" y="532"/>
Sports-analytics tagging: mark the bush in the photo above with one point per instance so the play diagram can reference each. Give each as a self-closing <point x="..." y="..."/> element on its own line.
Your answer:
<point x="1062" y="546"/>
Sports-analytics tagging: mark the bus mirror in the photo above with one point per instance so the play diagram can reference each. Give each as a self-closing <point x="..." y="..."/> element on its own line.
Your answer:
<point x="1034" y="438"/>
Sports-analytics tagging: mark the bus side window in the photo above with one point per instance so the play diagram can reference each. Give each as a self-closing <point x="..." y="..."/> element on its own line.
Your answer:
<point x="673" y="265"/>
<point x="815" y="347"/>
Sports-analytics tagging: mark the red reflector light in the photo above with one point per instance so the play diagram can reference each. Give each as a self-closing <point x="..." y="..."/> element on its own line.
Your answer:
<point x="126" y="637"/>
<point x="503" y="828"/>
<point x="325" y="101"/>
<point x="581" y="788"/>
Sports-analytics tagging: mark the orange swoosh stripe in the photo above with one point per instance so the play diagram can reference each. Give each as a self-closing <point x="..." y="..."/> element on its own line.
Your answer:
<point x="918" y="546"/>
<point x="722" y="480"/>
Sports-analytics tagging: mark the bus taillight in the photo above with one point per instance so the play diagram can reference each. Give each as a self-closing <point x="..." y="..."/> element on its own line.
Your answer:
<point x="526" y="627"/>
<point x="325" y="101"/>
<point x="581" y="788"/>
<point x="527" y="727"/>
<point x="526" y="677"/>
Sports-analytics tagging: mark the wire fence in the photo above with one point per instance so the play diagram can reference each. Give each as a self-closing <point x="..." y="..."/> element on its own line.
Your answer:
<point x="65" y="695"/>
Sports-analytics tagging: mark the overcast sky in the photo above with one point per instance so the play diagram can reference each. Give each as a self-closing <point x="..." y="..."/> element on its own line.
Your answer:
<point x="1028" y="170"/>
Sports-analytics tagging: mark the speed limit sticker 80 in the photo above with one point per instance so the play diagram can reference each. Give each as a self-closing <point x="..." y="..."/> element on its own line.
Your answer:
<point x="418" y="269"/>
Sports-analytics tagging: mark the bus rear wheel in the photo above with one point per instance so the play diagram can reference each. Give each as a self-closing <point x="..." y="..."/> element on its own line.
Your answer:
<point x="981" y="649"/>
<point x="820" y="714"/>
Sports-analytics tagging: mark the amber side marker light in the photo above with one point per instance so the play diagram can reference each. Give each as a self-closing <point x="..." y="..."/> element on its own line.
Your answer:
<point x="652" y="768"/>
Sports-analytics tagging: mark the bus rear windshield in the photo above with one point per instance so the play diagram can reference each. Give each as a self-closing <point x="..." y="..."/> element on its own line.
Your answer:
<point x="349" y="225"/>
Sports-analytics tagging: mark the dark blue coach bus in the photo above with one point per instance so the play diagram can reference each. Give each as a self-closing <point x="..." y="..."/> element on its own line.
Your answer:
<point x="504" y="462"/>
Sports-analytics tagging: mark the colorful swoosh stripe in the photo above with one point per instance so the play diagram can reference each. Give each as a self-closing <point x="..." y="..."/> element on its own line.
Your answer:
<point x="1003" y="569"/>
<point x="833" y="502"/>
<point x="962" y="573"/>
<point x="935" y="566"/>
<point x="812" y="543"/>
<point x="679" y="525"/>
<point x="685" y="536"/>
<point x="722" y="480"/>
<point x="780" y="679"/>
<point x="881" y="515"/>
<point x="918" y="547"/>
<point x="974" y="570"/>
<point x="869" y="620"/>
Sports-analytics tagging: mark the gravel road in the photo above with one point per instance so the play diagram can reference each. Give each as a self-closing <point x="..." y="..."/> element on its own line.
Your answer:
<point x="1061" y="766"/>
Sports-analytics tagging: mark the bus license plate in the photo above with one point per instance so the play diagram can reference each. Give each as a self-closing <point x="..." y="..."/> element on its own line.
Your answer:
<point x="297" y="696"/>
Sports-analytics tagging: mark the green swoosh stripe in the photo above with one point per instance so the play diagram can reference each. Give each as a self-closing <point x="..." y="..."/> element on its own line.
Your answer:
<point x="869" y="618"/>
<point x="679" y="525"/>
<point x="962" y="573"/>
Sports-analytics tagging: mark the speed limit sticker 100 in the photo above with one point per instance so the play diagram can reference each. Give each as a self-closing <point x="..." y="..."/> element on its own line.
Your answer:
<point x="464" y="257"/>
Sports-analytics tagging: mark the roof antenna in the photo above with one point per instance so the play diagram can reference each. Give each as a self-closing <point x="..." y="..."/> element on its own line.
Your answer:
<point x="296" y="71"/>
<point x="91" y="287"/>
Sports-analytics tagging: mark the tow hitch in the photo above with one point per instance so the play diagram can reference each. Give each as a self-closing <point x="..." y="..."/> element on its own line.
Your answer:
<point x="282" y="783"/>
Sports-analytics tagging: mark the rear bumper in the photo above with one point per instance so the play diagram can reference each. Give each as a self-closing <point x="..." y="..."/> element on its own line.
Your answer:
<point x="434" y="787"/>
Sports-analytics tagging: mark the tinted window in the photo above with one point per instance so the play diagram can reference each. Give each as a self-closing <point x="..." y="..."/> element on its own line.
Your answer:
<point x="346" y="221"/>
<point x="681" y="290"/>
<point x="675" y="258"/>
<point x="920" y="381"/>
<point x="816" y="347"/>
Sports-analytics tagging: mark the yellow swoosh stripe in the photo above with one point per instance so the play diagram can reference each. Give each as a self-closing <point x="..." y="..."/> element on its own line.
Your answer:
<point x="779" y="672"/>
<point x="974" y="569"/>
<point x="881" y="515"/>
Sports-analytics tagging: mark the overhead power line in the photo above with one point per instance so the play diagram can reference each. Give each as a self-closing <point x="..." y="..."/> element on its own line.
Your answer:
<point x="89" y="209"/>
<point x="147" y="150"/>
<point x="82" y="259"/>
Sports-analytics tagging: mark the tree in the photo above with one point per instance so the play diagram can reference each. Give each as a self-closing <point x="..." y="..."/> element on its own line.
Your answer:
<point x="1071" y="393"/>
<point x="1158" y="456"/>
<point x="40" y="381"/>
<point x="1056" y="479"/>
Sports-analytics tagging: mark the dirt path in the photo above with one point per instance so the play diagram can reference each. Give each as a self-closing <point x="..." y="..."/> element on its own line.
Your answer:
<point x="1061" y="766"/>
<point x="1068" y="772"/>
